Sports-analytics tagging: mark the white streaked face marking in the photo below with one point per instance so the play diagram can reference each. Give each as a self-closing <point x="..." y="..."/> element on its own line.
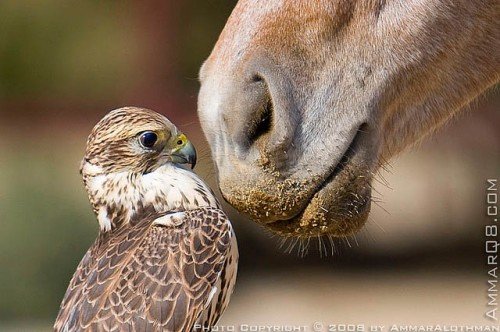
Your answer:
<point x="91" y="169"/>
<point x="168" y="188"/>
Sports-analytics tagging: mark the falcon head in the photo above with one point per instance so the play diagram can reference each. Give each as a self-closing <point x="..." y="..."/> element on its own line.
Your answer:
<point x="131" y="166"/>
<point x="135" y="140"/>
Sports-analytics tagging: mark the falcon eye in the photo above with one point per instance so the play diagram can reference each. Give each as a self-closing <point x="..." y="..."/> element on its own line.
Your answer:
<point x="148" y="139"/>
<point x="179" y="142"/>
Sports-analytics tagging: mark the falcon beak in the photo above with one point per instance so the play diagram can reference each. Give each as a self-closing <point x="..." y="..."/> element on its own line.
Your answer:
<point x="185" y="155"/>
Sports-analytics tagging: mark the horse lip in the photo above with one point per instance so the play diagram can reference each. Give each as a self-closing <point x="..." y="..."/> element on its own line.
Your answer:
<point x="349" y="153"/>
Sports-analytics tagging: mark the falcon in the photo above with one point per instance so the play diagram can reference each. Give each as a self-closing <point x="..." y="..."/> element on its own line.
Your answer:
<point x="166" y="256"/>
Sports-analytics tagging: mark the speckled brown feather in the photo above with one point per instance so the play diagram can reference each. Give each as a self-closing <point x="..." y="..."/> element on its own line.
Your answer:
<point x="149" y="277"/>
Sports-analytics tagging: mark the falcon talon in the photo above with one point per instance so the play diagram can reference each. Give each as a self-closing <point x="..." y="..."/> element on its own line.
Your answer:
<point x="137" y="276"/>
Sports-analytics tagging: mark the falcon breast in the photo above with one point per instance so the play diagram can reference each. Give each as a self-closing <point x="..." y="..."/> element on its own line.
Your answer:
<point x="166" y="255"/>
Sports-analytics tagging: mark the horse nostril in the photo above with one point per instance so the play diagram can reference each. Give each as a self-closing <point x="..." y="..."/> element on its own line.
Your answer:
<point x="256" y="78"/>
<point x="262" y="123"/>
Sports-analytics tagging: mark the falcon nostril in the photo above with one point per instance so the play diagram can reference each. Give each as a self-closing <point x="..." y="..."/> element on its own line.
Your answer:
<point x="262" y="123"/>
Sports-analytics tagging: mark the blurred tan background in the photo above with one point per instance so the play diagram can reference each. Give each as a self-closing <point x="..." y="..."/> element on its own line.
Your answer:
<point x="63" y="65"/>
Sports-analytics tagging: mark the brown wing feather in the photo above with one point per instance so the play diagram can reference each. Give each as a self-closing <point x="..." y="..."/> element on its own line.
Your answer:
<point x="148" y="277"/>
